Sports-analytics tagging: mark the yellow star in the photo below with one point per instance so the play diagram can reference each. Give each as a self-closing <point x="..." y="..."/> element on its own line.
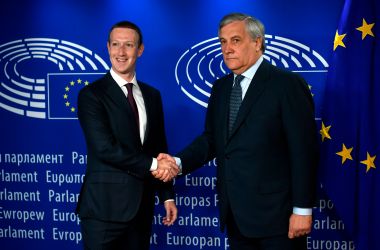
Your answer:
<point x="325" y="132"/>
<point x="370" y="162"/>
<point x="72" y="109"/>
<point x="67" y="104"/>
<point x="338" y="40"/>
<point x="72" y="83"/>
<point x="366" y="29"/>
<point x="86" y="83"/>
<point x="65" y="96"/>
<point x="345" y="153"/>
<point x="67" y="89"/>
<point x="79" y="81"/>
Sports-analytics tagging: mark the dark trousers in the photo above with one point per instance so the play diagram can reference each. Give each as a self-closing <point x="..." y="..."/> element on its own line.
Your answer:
<point x="132" y="235"/>
<point x="238" y="241"/>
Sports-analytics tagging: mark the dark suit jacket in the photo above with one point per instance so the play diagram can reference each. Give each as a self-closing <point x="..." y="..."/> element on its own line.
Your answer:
<point x="268" y="164"/>
<point x="118" y="163"/>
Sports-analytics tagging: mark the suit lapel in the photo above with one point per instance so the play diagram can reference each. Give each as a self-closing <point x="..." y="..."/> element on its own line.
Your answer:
<point x="256" y="87"/>
<point x="113" y="90"/>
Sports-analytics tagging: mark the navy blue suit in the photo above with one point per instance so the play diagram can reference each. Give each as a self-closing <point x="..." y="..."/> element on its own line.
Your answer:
<point x="118" y="182"/>
<point x="267" y="165"/>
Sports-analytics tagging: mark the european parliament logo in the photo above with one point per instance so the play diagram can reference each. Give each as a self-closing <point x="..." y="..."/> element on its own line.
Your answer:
<point x="41" y="77"/>
<point x="198" y="67"/>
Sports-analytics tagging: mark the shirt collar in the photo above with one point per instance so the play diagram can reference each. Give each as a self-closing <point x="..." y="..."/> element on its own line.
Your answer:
<point x="250" y="72"/>
<point x="120" y="81"/>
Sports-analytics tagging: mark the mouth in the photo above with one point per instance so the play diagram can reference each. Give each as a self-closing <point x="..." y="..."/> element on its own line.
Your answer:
<point x="121" y="59"/>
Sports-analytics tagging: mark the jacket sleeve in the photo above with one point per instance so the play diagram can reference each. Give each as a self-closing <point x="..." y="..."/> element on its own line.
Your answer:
<point x="165" y="189"/>
<point x="202" y="149"/>
<point x="300" y="129"/>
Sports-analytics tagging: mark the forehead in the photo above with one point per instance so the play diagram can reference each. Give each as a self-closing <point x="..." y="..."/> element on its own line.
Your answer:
<point x="121" y="33"/>
<point x="235" y="28"/>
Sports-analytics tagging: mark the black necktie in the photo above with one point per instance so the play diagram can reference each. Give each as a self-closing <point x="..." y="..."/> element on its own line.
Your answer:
<point x="132" y="103"/>
<point x="235" y="101"/>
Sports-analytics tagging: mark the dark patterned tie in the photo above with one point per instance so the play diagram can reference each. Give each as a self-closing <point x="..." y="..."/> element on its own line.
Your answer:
<point x="132" y="103"/>
<point x="235" y="101"/>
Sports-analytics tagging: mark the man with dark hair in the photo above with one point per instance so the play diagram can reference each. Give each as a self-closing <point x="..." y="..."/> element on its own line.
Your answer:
<point x="123" y="124"/>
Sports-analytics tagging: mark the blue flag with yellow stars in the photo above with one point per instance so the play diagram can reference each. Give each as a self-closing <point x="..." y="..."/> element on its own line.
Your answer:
<point x="350" y="127"/>
<point x="63" y="89"/>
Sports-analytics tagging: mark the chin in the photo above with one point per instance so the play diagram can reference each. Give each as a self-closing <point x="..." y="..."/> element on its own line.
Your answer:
<point x="122" y="70"/>
<point x="232" y="66"/>
<point x="234" y="69"/>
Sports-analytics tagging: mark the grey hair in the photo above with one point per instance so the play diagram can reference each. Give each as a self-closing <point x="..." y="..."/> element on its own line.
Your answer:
<point x="254" y="27"/>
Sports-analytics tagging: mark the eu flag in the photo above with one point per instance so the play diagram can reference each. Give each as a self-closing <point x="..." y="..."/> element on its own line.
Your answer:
<point x="350" y="127"/>
<point x="63" y="89"/>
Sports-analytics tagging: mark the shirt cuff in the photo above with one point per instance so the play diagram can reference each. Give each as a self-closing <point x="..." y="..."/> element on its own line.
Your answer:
<point x="302" y="211"/>
<point x="153" y="167"/>
<point x="168" y="200"/>
<point x="179" y="164"/>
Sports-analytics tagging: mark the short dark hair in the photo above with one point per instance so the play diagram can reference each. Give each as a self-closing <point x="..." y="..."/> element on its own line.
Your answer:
<point x="129" y="25"/>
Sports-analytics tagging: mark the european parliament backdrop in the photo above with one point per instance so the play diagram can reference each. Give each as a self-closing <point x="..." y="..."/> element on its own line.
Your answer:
<point x="49" y="50"/>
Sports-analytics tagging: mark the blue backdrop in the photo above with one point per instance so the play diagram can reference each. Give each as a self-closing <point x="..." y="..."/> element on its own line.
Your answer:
<point x="50" y="49"/>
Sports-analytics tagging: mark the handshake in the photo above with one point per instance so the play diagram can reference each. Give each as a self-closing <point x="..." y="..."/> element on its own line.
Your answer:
<point x="167" y="168"/>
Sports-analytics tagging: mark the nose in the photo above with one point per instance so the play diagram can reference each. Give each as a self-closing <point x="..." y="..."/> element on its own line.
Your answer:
<point x="226" y="48"/>
<point x="122" y="50"/>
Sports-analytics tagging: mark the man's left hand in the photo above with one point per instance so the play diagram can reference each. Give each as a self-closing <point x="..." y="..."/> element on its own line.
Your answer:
<point x="171" y="213"/>
<point x="299" y="225"/>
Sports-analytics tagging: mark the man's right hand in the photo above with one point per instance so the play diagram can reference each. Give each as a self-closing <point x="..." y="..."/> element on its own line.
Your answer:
<point x="166" y="168"/>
